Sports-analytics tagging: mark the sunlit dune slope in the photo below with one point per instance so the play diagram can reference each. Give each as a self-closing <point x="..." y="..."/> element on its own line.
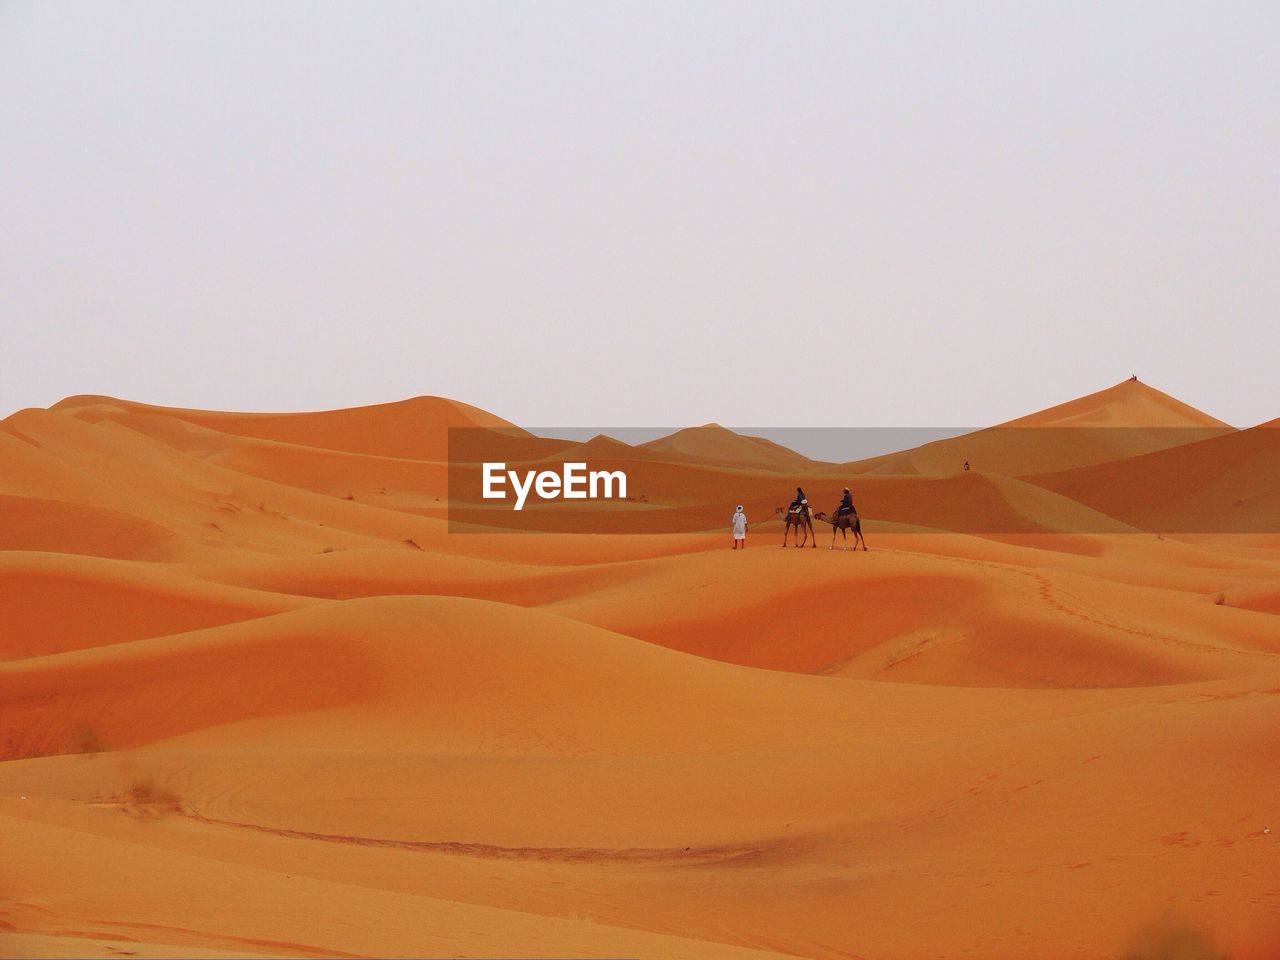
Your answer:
<point x="1130" y="403"/>
<point x="196" y="505"/>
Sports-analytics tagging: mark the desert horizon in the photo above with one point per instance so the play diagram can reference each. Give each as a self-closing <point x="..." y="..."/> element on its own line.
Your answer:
<point x="261" y="697"/>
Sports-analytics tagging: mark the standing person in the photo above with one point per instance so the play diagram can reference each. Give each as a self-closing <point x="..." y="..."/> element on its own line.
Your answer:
<point x="739" y="528"/>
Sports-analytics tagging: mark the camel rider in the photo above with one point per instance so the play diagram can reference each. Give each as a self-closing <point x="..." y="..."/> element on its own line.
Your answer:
<point x="801" y="502"/>
<point x="846" y="505"/>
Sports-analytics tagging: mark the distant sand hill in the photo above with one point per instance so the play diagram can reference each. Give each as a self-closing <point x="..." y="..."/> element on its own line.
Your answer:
<point x="256" y="698"/>
<point x="1121" y="421"/>
<point x="713" y="443"/>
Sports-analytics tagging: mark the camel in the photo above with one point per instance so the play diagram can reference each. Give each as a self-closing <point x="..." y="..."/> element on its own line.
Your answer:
<point x="849" y="522"/>
<point x="802" y="520"/>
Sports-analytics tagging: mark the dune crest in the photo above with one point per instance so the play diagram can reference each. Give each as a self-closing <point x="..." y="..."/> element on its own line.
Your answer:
<point x="1129" y="403"/>
<point x="713" y="443"/>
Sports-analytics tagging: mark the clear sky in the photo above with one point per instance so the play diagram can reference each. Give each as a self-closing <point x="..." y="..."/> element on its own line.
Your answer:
<point x="649" y="214"/>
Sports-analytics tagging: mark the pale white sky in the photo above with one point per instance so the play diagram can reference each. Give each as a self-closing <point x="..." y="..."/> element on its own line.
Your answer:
<point x="648" y="214"/>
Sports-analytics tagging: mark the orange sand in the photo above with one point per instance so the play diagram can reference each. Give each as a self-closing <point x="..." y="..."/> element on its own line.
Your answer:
<point x="256" y="699"/>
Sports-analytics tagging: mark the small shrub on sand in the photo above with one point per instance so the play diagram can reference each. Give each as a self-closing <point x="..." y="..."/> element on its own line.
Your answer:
<point x="1220" y="599"/>
<point x="146" y="800"/>
<point x="1168" y="942"/>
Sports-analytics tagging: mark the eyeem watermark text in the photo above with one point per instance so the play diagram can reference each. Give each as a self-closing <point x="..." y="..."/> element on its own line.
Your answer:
<point x="573" y="482"/>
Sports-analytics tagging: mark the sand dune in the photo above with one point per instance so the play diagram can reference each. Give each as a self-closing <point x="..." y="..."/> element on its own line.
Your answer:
<point x="1127" y="419"/>
<point x="1127" y="404"/>
<point x="34" y="523"/>
<point x="1228" y="483"/>
<point x="266" y="691"/>
<point x="713" y="443"/>
<point x="58" y="603"/>
<point x="415" y="429"/>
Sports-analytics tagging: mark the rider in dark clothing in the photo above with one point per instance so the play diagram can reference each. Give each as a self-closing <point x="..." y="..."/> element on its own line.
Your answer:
<point x="800" y="501"/>
<point x="846" y="505"/>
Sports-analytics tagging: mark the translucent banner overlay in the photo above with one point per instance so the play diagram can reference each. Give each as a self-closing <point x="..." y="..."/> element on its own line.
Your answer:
<point x="1001" y="480"/>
